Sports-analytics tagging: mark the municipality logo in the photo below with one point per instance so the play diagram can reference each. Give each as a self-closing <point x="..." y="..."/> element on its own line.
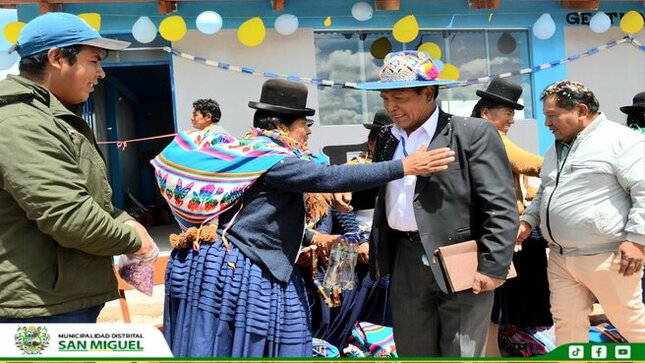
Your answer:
<point x="32" y="339"/>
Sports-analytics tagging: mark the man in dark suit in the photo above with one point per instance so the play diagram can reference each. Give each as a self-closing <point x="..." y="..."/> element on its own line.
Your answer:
<point x="472" y="199"/>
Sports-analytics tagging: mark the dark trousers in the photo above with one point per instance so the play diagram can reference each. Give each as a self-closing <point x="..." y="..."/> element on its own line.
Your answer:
<point x="427" y="322"/>
<point x="87" y="315"/>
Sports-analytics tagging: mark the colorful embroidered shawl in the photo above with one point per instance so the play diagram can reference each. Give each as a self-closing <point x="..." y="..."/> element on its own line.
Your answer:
<point x="201" y="174"/>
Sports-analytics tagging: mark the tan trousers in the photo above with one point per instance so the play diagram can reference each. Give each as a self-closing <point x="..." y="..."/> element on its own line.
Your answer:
<point x="575" y="283"/>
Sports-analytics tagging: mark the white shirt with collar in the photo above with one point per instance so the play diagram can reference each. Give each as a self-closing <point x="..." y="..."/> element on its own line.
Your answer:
<point x="400" y="193"/>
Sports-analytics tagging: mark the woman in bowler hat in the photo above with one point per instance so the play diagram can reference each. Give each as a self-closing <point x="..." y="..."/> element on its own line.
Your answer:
<point x="523" y="302"/>
<point x="636" y="112"/>
<point x="241" y="295"/>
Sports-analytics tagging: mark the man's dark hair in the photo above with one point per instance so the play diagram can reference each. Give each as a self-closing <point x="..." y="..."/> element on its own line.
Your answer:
<point x="569" y="94"/>
<point x="208" y="106"/>
<point x="418" y="90"/>
<point x="34" y="65"/>
<point x="270" y="120"/>
<point x="484" y="103"/>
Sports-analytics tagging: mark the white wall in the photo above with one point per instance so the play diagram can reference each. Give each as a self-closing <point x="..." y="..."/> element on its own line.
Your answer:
<point x="292" y="55"/>
<point x="614" y="75"/>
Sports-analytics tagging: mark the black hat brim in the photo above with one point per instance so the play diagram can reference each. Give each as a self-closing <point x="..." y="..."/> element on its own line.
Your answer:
<point x="498" y="99"/>
<point x="282" y="109"/>
<point x="373" y="126"/>
<point x="628" y="110"/>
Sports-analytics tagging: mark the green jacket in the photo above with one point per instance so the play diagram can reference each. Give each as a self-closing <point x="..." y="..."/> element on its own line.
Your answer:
<point x="58" y="228"/>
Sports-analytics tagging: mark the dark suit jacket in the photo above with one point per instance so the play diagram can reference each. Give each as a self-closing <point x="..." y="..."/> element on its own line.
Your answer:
<point x="473" y="199"/>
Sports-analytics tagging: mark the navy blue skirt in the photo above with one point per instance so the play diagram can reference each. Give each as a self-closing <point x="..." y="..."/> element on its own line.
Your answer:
<point x="368" y="301"/>
<point x="214" y="310"/>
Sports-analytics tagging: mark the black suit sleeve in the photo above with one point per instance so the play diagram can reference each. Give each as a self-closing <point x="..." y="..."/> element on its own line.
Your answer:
<point x="492" y="188"/>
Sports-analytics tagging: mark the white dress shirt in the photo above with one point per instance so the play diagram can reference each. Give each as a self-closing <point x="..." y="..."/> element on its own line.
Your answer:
<point x="400" y="193"/>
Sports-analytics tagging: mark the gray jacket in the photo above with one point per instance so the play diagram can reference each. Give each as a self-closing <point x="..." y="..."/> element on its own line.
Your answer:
<point x="595" y="200"/>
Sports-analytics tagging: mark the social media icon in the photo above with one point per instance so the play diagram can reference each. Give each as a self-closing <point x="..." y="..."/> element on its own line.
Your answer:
<point x="623" y="352"/>
<point x="598" y="351"/>
<point x="576" y="351"/>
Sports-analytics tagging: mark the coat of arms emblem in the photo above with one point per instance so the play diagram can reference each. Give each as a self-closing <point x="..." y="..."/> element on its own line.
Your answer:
<point x="32" y="339"/>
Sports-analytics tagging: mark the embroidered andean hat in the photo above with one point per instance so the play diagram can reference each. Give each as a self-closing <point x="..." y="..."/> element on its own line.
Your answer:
<point x="406" y="69"/>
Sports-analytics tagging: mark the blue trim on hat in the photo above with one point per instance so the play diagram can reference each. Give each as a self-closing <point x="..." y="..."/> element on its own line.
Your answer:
<point x="380" y="85"/>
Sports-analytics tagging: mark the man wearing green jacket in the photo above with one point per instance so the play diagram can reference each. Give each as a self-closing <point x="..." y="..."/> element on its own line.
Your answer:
<point x="58" y="227"/>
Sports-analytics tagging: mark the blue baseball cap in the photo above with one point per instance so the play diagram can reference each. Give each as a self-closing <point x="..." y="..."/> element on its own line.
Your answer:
<point x="57" y="30"/>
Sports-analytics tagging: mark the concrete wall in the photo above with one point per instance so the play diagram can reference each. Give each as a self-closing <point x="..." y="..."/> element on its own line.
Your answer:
<point x="295" y="54"/>
<point x="614" y="75"/>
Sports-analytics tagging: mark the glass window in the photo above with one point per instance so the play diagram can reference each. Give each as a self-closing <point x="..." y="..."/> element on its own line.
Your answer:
<point x="358" y="55"/>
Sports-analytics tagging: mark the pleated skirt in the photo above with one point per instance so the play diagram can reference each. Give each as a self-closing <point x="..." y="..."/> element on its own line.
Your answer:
<point x="368" y="301"/>
<point x="213" y="309"/>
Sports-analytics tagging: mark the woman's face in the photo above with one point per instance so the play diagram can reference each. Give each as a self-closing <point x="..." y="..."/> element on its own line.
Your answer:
<point x="199" y="120"/>
<point x="299" y="130"/>
<point x="501" y="117"/>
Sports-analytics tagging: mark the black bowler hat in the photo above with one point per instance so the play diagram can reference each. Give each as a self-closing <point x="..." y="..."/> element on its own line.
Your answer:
<point x="638" y="105"/>
<point x="503" y="91"/>
<point x="381" y="118"/>
<point x="284" y="97"/>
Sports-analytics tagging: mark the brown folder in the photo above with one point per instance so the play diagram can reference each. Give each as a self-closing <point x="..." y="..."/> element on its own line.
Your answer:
<point x="459" y="263"/>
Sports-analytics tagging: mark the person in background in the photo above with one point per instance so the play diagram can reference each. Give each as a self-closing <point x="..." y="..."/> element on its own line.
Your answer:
<point x="590" y="208"/>
<point x="413" y="216"/>
<point x="241" y="295"/>
<point x="359" y="206"/>
<point x="58" y="227"/>
<point x="636" y="120"/>
<point x="523" y="302"/>
<point x="206" y="114"/>
<point x="368" y="301"/>
<point x="636" y="112"/>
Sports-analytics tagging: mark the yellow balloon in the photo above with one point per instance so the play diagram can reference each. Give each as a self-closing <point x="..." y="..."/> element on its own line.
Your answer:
<point x="92" y="19"/>
<point x="12" y="31"/>
<point x="432" y="49"/>
<point x="327" y="21"/>
<point x="172" y="28"/>
<point x="406" y="29"/>
<point x="380" y="48"/>
<point x="632" y="22"/>
<point x="449" y="72"/>
<point x="252" y="32"/>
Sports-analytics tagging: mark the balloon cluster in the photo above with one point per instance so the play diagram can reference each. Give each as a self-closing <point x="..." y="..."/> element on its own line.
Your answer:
<point x="631" y="23"/>
<point x="253" y="31"/>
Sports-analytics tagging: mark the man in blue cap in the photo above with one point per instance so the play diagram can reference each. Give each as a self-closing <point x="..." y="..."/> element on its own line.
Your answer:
<point x="58" y="227"/>
<point x="413" y="216"/>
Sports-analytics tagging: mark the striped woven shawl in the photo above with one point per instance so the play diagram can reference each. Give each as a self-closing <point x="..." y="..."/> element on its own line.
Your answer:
<point x="201" y="174"/>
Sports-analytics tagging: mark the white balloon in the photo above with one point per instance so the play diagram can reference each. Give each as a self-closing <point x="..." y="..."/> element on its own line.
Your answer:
<point x="286" y="24"/>
<point x="544" y="27"/>
<point x="144" y="30"/>
<point x="600" y="22"/>
<point x="362" y="11"/>
<point x="208" y="22"/>
<point x="7" y="60"/>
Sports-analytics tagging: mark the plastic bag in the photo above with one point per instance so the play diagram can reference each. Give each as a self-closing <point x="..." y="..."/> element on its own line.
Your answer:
<point x="342" y="261"/>
<point x="138" y="271"/>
